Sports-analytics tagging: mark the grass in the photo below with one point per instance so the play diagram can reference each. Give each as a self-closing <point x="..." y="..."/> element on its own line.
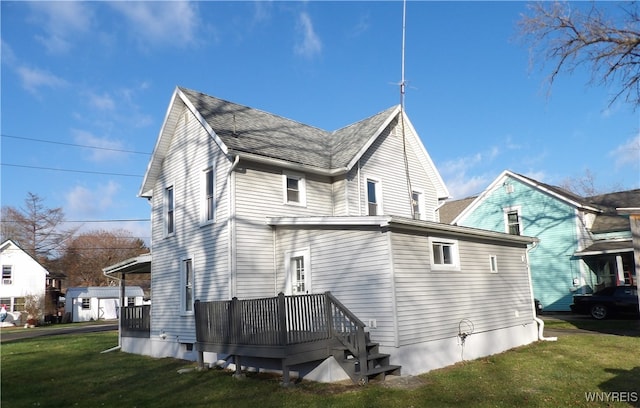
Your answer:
<point x="70" y="371"/>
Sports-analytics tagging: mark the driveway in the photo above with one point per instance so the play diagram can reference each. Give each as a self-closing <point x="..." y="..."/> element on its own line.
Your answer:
<point x="18" y="333"/>
<point x="588" y="325"/>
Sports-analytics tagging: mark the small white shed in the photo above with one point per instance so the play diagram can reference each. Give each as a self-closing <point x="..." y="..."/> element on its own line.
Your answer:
<point x="84" y="304"/>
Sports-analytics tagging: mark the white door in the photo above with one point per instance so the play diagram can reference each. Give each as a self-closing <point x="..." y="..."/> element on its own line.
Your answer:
<point x="298" y="269"/>
<point x="108" y="309"/>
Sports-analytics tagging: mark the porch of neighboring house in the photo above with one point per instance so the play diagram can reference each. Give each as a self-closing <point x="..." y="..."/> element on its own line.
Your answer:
<point x="611" y="264"/>
<point x="293" y="330"/>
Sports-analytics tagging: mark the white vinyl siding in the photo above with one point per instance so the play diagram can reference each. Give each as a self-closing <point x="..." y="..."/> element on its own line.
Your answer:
<point x="21" y="276"/>
<point x="431" y="304"/>
<point x="258" y="195"/>
<point x="354" y="265"/>
<point x="385" y="158"/>
<point x="192" y="150"/>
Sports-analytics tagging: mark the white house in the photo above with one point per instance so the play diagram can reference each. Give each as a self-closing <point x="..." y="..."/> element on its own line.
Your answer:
<point x="247" y="204"/>
<point x="22" y="276"/>
<point x="83" y="304"/>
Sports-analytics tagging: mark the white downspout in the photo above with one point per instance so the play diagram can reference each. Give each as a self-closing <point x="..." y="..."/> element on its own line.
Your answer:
<point x="119" y="346"/>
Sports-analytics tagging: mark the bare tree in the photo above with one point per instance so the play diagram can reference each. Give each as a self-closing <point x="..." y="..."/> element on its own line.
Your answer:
<point x="86" y="255"/>
<point x="608" y="44"/>
<point x="37" y="229"/>
<point x="586" y="186"/>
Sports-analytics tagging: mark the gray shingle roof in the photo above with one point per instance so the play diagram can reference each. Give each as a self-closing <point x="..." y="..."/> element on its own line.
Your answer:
<point x="249" y="130"/>
<point x="610" y="220"/>
<point x="451" y="209"/>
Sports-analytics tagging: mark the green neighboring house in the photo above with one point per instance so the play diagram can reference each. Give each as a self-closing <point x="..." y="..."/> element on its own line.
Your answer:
<point x="585" y="243"/>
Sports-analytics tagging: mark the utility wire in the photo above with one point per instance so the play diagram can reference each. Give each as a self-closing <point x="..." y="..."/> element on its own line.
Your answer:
<point x="70" y="170"/>
<point x="74" y="144"/>
<point x="92" y="221"/>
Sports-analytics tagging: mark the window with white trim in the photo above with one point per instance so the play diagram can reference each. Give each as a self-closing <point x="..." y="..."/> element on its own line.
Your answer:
<point x="7" y="274"/>
<point x="417" y="205"/>
<point x="208" y="201"/>
<point x="493" y="264"/>
<point x="513" y="220"/>
<point x="169" y="211"/>
<point x="18" y="304"/>
<point x="444" y="254"/>
<point x="374" y="197"/>
<point x="294" y="188"/>
<point x="186" y="284"/>
<point x="86" y="303"/>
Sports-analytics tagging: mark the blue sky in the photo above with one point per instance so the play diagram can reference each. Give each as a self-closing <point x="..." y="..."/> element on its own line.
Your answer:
<point x="101" y="74"/>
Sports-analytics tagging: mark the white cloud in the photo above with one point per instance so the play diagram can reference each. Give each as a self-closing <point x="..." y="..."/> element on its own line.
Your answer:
<point x="61" y="22"/>
<point x="33" y="79"/>
<point x="102" y="102"/>
<point x="167" y="22"/>
<point x="102" y="153"/>
<point x="84" y="202"/>
<point x="627" y="153"/>
<point x="362" y="26"/>
<point x="460" y="186"/>
<point x="309" y="44"/>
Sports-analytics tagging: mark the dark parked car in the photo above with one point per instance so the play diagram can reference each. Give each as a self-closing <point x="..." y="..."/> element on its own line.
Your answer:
<point x="538" y="306"/>
<point x="607" y="302"/>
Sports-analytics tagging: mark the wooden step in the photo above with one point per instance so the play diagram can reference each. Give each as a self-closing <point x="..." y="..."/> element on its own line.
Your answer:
<point x="379" y="373"/>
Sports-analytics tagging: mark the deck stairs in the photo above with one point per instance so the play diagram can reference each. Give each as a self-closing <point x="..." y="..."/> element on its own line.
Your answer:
<point x="375" y="367"/>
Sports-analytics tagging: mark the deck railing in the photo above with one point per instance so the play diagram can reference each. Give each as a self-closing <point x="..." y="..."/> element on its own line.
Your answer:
<point x="135" y="321"/>
<point x="278" y="321"/>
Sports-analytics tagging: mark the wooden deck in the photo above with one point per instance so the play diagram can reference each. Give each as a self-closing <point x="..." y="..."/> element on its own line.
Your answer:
<point x="135" y="321"/>
<point x="292" y="329"/>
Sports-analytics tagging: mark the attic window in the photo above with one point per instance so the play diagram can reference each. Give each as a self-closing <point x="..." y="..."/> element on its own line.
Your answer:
<point x="512" y="220"/>
<point x="374" y="197"/>
<point x="6" y="274"/>
<point x="294" y="189"/>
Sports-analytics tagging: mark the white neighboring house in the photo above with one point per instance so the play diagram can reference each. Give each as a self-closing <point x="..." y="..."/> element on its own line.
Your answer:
<point x="83" y="304"/>
<point x="21" y="276"/>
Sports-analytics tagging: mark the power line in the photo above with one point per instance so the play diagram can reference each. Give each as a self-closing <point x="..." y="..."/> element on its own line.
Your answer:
<point x="123" y="220"/>
<point x="70" y="170"/>
<point x="96" y="221"/>
<point x="74" y="144"/>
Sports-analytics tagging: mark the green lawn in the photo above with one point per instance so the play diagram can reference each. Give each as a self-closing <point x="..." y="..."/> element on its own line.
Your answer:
<point x="70" y="371"/>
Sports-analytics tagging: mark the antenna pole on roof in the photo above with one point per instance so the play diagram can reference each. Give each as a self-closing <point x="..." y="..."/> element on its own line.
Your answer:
<point x="402" y="82"/>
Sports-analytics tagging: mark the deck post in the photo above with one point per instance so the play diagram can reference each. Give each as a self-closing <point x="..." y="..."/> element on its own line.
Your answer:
<point x="238" y="373"/>
<point x="282" y="319"/>
<point x="236" y="323"/>
<point x="200" y="360"/>
<point x="286" y="378"/>
<point x="328" y="314"/>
